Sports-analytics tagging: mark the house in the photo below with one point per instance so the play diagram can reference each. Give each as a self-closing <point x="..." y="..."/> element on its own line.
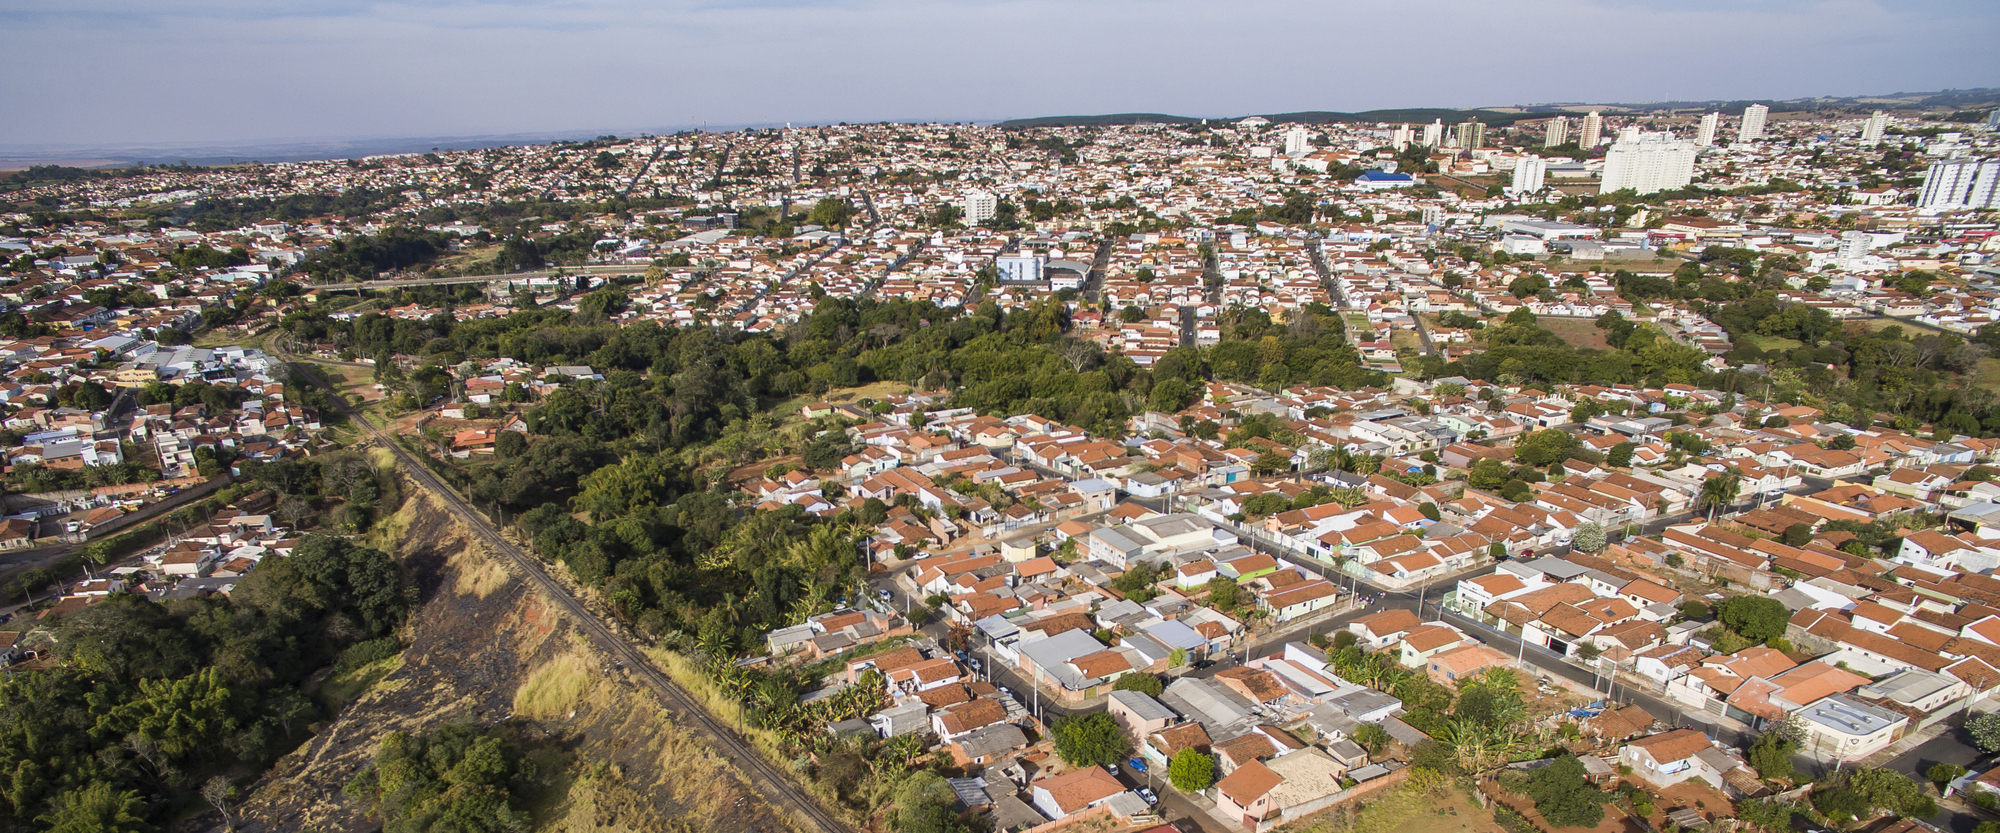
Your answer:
<point x="1667" y="759"/>
<point x="1070" y="793"/>
<point x="1245" y="795"/>
<point x="1464" y="661"/>
<point x="1138" y="713"/>
<point x="1380" y="630"/>
<point x="1847" y="728"/>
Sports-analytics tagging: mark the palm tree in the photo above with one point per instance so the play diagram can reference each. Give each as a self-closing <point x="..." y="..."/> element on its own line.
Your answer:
<point x="1719" y="491"/>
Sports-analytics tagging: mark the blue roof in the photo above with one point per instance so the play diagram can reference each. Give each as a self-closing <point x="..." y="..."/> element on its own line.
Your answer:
<point x="1379" y="176"/>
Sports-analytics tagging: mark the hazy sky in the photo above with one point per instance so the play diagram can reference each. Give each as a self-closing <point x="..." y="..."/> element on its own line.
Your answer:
<point x="112" y="72"/>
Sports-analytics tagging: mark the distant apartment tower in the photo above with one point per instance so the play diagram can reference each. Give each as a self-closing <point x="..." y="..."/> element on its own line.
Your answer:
<point x="1871" y="132"/>
<point x="1752" y="127"/>
<point x="1558" y="132"/>
<point x="1470" y="134"/>
<point x="1298" y="142"/>
<point x="1652" y="162"/>
<point x="1993" y="119"/>
<point x="1529" y="172"/>
<point x="979" y="207"/>
<point x="1434" y="134"/>
<point x="1704" y="136"/>
<point x="1402" y="136"/>
<point x="1961" y="185"/>
<point x="1593" y="130"/>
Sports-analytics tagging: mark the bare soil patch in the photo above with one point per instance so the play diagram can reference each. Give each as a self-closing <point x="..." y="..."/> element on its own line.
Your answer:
<point x="486" y="648"/>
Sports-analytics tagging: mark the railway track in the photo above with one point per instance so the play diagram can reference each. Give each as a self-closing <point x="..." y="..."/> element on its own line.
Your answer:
<point x="774" y="786"/>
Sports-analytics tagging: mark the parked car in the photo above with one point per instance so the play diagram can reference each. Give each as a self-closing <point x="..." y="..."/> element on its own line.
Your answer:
<point x="1137" y="764"/>
<point x="1147" y="793"/>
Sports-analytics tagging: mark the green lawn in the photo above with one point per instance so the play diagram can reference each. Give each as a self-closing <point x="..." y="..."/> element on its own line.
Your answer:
<point x="1771" y="343"/>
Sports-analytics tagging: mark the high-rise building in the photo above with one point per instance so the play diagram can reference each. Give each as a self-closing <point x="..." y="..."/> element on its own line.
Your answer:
<point x="1961" y="185"/>
<point x="1593" y="130"/>
<point x="1628" y="133"/>
<point x="1752" y="127"/>
<point x="1652" y="162"/>
<point x="1871" y="132"/>
<point x="1993" y="119"/>
<point x="1470" y="134"/>
<point x="979" y="207"/>
<point x="1705" y="135"/>
<point x="1434" y="134"/>
<point x="1529" y="173"/>
<point x="1402" y="137"/>
<point x="1298" y="142"/>
<point x="1558" y="132"/>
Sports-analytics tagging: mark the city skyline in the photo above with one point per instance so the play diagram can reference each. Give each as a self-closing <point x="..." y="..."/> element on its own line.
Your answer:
<point x="216" y="72"/>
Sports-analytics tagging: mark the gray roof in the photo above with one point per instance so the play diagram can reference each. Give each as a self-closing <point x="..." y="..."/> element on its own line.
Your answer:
<point x="971" y="791"/>
<point x="1908" y="686"/>
<point x="993" y="740"/>
<point x="1143" y="705"/>
<point x="1364" y="701"/>
<point x="1219" y="710"/>
<point x="1051" y="655"/>
<point x="1844" y="713"/>
<point x="1369" y="772"/>
<point x="1010" y="813"/>
<point x="1404" y="733"/>
<point x="909" y="717"/>
<point x="1175" y="634"/>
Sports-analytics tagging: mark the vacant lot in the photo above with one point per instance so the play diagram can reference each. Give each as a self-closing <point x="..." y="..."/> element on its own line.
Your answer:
<point x="1404" y="810"/>
<point x="1580" y="332"/>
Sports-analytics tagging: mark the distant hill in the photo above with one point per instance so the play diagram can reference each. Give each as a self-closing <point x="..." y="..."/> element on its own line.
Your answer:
<point x="1096" y="121"/>
<point x="1414" y="115"/>
<point x="1975" y="98"/>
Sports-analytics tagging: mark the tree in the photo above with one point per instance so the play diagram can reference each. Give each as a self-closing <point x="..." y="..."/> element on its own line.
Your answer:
<point x="1756" y="618"/>
<point x="1546" y="447"/>
<point x="1146" y="684"/>
<point x="1797" y="535"/>
<point x="924" y="805"/>
<point x="1985" y="731"/>
<point x="1620" y="456"/>
<point x="1772" y="755"/>
<point x="1588" y="537"/>
<point x="95" y="809"/>
<point x="1092" y="739"/>
<point x="1719" y="491"/>
<point x="1563" y="794"/>
<point x="1943" y="774"/>
<point x="1191" y="770"/>
<point x="217" y="791"/>
<point x="1372" y="737"/>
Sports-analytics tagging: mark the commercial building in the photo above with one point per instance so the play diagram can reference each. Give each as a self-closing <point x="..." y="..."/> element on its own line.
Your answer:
<point x="1593" y="130"/>
<point x="1705" y="135"/>
<point x="1752" y="127"/>
<point x="1961" y="185"/>
<point x="1651" y="162"/>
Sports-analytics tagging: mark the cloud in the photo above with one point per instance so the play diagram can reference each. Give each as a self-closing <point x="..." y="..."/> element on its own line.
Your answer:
<point x="117" y="71"/>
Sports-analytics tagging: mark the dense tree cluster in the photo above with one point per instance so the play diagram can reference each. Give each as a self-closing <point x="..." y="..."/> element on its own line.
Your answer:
<point x="455" y="779"/>
<point x="151" y="699"/>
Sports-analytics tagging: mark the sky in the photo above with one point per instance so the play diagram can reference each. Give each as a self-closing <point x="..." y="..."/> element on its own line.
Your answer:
<point x="112" y="73"/>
